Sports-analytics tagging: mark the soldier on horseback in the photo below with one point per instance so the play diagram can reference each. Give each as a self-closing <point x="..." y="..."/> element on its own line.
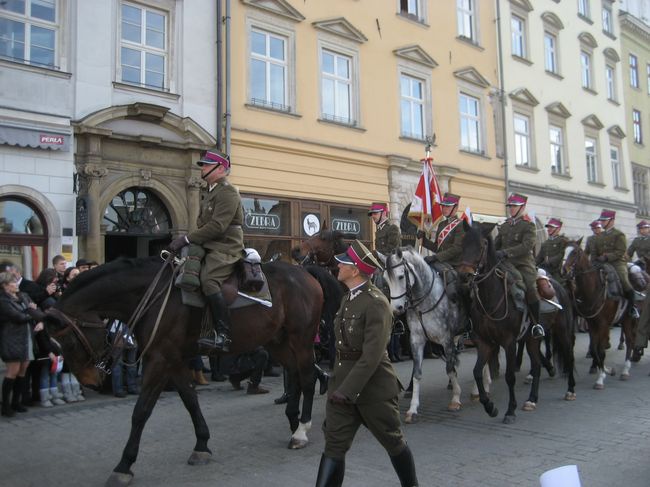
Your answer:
<point x="220" y="233"/>
<point x="514" y="244"/>
<point x="551" y="253"/>
<point x="387" y="234"/>
<point x="641" y="244"/>
<point x="590" y="245"/>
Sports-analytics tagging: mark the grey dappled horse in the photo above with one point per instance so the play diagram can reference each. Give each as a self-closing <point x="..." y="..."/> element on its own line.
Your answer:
<point x="430" y="314"/>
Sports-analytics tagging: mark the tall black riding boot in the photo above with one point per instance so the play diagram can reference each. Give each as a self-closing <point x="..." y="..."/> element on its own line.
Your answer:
<point x="220" y="339"/>
<point x="536" y="330"/>
<point x="330" y="472"/>
<point x="405" y="468"/>
<point x="7" y="388"/>
<point x="630" y="296"/>
<point x="16" y="400"/>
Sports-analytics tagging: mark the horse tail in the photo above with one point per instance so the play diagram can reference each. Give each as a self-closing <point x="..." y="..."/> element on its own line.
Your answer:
<point x="563" y="334"/>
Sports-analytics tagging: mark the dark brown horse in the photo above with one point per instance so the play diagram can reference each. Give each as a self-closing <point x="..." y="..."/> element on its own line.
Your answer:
<point x="114" y="290"/>
<point x="496" y="320"/>
<point x="589" y="293"/>
<point x="320" y="249"/>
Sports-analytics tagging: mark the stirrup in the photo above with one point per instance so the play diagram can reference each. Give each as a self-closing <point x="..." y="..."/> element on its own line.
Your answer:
<point x="537" y="331"/>
<point x="217" y="341"/>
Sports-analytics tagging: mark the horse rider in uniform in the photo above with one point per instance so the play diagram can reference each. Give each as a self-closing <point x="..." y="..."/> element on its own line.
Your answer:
<point x="641" y="244"/>
<point x="364" y="388"/>
<point x="449" y="234"/>
<point x="590" y="244"/>
<point x="551" y="252"/>
<point x="219" y="232"/>
<point x="611" y="248"/>
<point x="387" y="234"/>
<point x="515" y="243"/>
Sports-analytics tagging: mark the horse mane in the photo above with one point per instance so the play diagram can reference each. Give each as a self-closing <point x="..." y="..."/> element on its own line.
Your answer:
<point x="332" y="291"/>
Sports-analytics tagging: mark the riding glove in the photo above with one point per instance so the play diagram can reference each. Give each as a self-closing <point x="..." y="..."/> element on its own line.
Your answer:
<point x="178" y="243"/>
<point x="420" y="234"/>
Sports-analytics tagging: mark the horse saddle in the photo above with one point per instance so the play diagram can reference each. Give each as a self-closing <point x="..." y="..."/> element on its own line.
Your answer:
<point x="515" y="284"/>
<point x="612" y="281"/>
<point x="449" y="277"/>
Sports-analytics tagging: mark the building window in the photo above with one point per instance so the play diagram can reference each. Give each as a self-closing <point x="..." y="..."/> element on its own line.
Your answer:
<point x="336" y="86"/>
<point x="585" y="69"/>
<point x="614" y="155"/>
<point x="608" y="24"/>
<point x="583" y="8"/>
<point x="28" y="31"/>
<point x="470" y="124"/>
<point x="518" y="27"/>
<point x="634" y="71"/>
<point x="466" y="13"/>
<point x="522" y="140"/>
<point x="636" y="124"/>
<point x="412" y="107"/>
<point x="641" y="193"/>
<point x="556" y="138"/>
<point x="412" y="9"/>
<point x="591" y="154"/>
<point x="550" y="53"/>
<point x="268" y="71"/>
<point x="143" y="54"/>
<point x="610" y="81"/>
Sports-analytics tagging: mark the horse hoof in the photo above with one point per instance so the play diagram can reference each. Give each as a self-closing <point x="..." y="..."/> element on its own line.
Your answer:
<point x="592" y="370"/>
<point x="474" y="397"/>
<point x="494" y="413"/>
<point x="599" y="387"/>
<point x="529" y="406"/>
<point x="509" y="419"/>
<point x="118" y="479"/>
<point x="199" y="458"/>
<point x="408" y="394"/>
<point x="570" y="396"/>
<point x="411" y="418"/>
<point x="454" y="407"/>
<point x="528" y="379"/>
<point x="296" y="444"/>
<point x="625" y="376"/>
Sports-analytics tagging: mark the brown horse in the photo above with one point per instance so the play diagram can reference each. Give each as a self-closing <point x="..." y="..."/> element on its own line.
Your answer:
<point x="114" y="290"/>
<point x="320" y="249"/>
<point x="589" y="293"/>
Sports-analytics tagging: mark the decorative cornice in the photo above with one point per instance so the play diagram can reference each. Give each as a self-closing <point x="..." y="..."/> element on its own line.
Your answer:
<point x="553" y="20"/>
<point x="611" y="54"/>
<point x="471" y="75"/>
<point x="416" y="54"/>
<point x="557" y="108"/>
<point x="634" y="26"/>
<point x="522" y="4"/>
<point x="592" y="121"/>
<point x="587" y="39"/>
<point x="522" y="95"/>
<point x="340" y="26"/>
<point x="616" y="131"/>
<point x="277" y="7"/>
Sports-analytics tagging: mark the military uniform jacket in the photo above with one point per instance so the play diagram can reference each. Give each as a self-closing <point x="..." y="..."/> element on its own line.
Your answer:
<point x="640" y="245"/>
<point x="220" y="222"/>
<point x="590" y="245"/>
<point x="517" y="239"/>
<point x="612" y="244"/>
<point x="450" y="249"/>
<point x="362" y="326"/>
<point x="387" y="237"/>
<point x="551" y="254"/>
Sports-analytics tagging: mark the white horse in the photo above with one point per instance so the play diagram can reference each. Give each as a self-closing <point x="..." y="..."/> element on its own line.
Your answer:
<point x="430" y="314"/>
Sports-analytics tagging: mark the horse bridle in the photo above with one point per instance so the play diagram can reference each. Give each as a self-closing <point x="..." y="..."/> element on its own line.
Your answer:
<point x="571" y="275"/>
<point x="408" y="290"/>
<point x="311" y="257"/>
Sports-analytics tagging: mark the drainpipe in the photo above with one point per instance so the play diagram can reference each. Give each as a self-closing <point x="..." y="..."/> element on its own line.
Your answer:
<point x="227" y="114"/>
<point x="219" y="77"/>
<point x="502" y="99"/>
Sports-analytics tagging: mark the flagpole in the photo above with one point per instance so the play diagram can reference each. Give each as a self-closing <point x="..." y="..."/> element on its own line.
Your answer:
<point x="427" y="149"/>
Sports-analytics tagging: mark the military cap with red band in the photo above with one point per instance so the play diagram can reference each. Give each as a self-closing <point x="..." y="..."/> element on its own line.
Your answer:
<point x="607" y="215"/>
<point x="596" y="224"/>
<point x="359" y="256"/>
<point x="516" y="199"/>
<point x="643" y="224"/>
<point x="554" y="223"/>
<point x="450" y="199"/>
<point x="214" y="157"/>
<point x="377" y="207"/>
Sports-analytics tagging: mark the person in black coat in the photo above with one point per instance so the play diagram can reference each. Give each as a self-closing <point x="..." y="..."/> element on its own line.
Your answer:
<point x="17" y="313"/>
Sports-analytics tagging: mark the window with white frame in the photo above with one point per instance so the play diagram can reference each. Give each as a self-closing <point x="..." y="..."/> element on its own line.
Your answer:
<point x="412" y="107"/>
<point x="556" y="139"/>
<point x="636" y="127"/>
<point x="268" y="69"/>
<point x="28" y="31"/>
<point x="413" y="9"/>
<point x="143" y="50"/>
<point x="585" y="70"/>
<point x="336" y="87"/>
<point x="641" y="189"/>
<point x="614" y="156"/>
<point x="634" y="71"/>
<point x="470" y="124"/>
<point x="518" y="28"/>
<point x="522" y="140"/>
<point x="610" y="81"/>
<point x="584" y="8"/>
<point x="466" y="19"/>
<point x="591" y="155"/>
<point x="608" y="23"/>
<point x="550" y="52"/>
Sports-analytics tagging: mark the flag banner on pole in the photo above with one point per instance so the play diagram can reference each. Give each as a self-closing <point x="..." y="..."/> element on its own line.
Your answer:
<point x="467" y="215"/>
<point x="425" y="209"/>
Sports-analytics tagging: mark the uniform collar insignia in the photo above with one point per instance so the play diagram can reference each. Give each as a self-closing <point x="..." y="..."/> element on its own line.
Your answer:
<point x="354" y="294"/>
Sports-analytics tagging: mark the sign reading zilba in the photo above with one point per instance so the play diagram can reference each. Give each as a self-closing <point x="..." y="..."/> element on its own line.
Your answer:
<point x="346" y="226"/>
<point x="52" y="139"/>
<point x="260" y="221"/>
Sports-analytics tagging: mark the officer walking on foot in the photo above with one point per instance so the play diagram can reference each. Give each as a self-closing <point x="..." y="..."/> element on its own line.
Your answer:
<point x="364" y="388"/>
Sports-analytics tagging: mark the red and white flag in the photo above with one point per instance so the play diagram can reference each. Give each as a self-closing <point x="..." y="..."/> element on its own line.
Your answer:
<point x="467" y="215"/>
<point x="427" y="198"/>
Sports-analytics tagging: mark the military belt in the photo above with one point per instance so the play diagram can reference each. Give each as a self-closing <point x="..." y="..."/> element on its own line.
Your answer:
<point x="348" y="355"/>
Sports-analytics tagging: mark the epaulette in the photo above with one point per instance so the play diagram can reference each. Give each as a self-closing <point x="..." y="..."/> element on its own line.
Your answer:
<point x="527" y="218"/>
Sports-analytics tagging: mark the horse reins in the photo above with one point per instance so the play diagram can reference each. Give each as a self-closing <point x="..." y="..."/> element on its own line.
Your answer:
<point x="478" y="279"/>
<point x="75" y="325"/>
<point x="572" y="275"/>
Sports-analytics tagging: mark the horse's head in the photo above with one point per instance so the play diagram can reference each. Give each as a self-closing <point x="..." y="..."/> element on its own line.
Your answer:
<point x="401" y="276"/>
<point x="477" y="250"/>
<point x="320" y="249"/>
<point x="575" y="259"/>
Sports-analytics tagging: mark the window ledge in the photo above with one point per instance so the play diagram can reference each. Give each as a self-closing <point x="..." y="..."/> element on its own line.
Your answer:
<point x="482" y="155"/>
<point x="341" y="124"/>
<point x="141" y="89"/>
<point x="560" y="175"/>
<point x="635" y="88"/>
<point x="407" y="138"/>
<point x="554" y="75"/>
<point x="614" y="102"/>
<point x="596" y="183"/>
<point x="621" y="189"/>
<point x="523" y="60"/>
<point x="530" y="168"/>
<point x="639" y="144"/>
<point x="262" y="108"/>
<point x="586" y="19"/>
<point x="35" y="69"/>
<point x="412" y="18"/>
<point x="609" y="34"/>
<point x="590" y="90"/>
<point x="470" y="42"/>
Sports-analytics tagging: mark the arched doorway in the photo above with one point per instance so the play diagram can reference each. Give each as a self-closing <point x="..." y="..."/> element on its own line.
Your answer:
<point x="23" y="236"/>
<point x="135" y="223"/>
